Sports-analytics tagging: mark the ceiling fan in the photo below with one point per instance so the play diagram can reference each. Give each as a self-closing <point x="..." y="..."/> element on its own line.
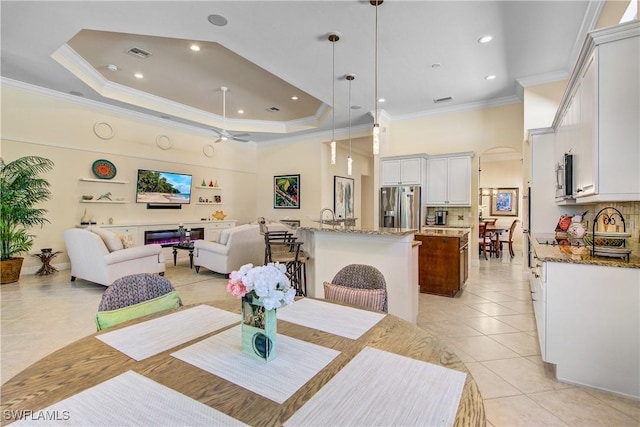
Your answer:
<point x="223" y="134"/>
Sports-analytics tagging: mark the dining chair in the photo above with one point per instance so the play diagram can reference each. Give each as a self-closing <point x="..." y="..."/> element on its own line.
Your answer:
<point x="508" y="239"/>
<point x="283" y="247"/>
<point x="359" y="284"/>
<point x="134" y="296"/>
<point x="486" y="242"/>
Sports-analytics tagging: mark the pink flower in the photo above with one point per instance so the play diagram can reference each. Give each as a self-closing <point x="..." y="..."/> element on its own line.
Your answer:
<point x="237" y="288"/>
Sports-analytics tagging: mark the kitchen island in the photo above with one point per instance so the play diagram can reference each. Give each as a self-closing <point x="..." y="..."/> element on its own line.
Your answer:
<point x="393" y="251"/>
<point x="443" y="260"/>
<point x="587" y="311"/>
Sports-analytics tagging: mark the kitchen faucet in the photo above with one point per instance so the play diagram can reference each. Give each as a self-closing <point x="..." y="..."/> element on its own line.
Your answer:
<point x="333" y="215"/>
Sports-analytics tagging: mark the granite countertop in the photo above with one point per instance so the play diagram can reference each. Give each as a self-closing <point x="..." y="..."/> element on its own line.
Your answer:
<point x="582" y="254"/>
<point x="358" y="230"/>
<point x="439" y="227"/>
<point x="430" y="232"/>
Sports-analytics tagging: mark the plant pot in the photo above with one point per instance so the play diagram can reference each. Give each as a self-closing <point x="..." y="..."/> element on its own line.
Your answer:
<point x="10" y="270"/>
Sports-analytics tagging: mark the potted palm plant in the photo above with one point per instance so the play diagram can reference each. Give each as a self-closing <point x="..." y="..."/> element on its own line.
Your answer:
<point x="21" y="189"/>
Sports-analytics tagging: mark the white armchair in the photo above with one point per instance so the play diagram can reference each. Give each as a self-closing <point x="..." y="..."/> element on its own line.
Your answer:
<point x="235" y="247"/>
<point x="97" y="255"/>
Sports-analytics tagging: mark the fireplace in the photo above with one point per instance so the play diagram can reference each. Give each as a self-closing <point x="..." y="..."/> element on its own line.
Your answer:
<point x="171" y="237"/>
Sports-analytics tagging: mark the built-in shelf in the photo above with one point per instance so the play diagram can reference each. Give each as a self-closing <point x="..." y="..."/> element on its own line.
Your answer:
<point x="208" y="188"/>
<point x="104" y="201"/>
<point x="108" y="181"/>
<point x="205" y="203"/>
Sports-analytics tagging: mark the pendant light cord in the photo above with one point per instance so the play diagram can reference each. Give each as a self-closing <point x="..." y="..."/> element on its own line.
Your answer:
<point x="333" y="95"/>
<point x="376" y="66"/>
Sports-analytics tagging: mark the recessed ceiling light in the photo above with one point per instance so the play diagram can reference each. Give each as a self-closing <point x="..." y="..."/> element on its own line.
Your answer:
<point x="218" y="20"/>
<point x="195" y="48"/>
<point x="381" y="99"/>
<point x="295" y="98"/>
<point x="138" y="76"/>
<point x="112" y="67"/>
<point x="240" y="111"/>
<point x="485" y="39"/>
<point x="490" y="77"/>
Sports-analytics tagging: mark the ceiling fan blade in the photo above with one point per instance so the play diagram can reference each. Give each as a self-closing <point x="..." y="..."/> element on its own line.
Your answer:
<point x="240" y="140"/>
<point x="218" y="140"/>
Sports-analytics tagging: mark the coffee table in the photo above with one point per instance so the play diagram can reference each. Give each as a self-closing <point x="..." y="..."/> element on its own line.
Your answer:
<point x="186" y="247"/>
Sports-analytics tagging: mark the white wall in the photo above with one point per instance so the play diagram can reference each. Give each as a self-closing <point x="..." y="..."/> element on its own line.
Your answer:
<point x="62" y="130"/>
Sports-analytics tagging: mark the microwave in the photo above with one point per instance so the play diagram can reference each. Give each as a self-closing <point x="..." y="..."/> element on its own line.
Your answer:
<point x="564" y="177"/>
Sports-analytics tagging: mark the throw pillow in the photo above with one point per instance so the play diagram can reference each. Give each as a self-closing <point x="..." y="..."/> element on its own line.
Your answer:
<point x="107" y="319"/>
<point x="369" y="298"/>
<point x="110" y="239"/>
<point x="126" y="239"/>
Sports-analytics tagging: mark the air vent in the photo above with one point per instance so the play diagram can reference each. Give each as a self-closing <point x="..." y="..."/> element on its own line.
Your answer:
<point x="273" y="109"/>
<point x="140" y="53"/>
<point x="440" y="100"/>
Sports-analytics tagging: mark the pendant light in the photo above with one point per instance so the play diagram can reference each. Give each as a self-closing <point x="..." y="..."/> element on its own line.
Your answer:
<point x="333" y="38"/>
<point x="350" y="78"/>
<point x="376" y="124"/>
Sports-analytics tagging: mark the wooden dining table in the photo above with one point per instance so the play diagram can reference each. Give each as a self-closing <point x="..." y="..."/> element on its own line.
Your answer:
<point x="89" y="362"/>
<point x="494" y="230"/>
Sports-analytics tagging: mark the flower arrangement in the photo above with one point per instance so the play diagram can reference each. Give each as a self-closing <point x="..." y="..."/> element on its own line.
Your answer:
<point x="267" y="283"/>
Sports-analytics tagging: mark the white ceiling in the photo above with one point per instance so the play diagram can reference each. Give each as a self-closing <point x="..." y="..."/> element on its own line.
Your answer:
<point x="272" y="50"/>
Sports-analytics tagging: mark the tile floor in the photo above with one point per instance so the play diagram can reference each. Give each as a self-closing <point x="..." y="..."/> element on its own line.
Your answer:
<point x="490" y="325"/>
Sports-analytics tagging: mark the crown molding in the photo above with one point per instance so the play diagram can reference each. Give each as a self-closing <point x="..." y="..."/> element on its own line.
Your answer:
<point x="496" y="102"/>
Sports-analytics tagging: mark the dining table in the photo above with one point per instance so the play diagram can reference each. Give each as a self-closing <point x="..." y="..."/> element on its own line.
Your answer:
<point x="336" y="364"/>
<point x="494" y="230"/>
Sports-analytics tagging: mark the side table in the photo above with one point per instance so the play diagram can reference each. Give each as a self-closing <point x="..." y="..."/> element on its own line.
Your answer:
<point x="188" y="247"/>
<point x="46" y="255"/>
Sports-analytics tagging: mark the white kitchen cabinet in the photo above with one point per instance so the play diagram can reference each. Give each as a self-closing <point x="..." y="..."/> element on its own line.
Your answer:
<point x="588" y="323"/>
<point x="597" y="120"/>
<point x="402" y="171"/>
<point x="449" y="180"/>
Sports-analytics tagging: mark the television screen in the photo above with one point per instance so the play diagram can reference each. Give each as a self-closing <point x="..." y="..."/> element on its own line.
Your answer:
<point x="163" y="187"/>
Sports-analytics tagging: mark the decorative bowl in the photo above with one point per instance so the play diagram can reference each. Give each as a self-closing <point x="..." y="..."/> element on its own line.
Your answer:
<point x="87" y="197"/>
<point x="603" y="240"/>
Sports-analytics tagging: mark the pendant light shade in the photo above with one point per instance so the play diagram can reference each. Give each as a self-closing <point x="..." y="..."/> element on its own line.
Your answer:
<point x="350" y="78"/>
<point x="376" y="124"/>
<point x="333" y="38"/>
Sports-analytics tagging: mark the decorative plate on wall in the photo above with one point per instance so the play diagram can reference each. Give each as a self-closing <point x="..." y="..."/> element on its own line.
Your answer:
<point x="103" y="130"/>
<point x="103" y="169"/>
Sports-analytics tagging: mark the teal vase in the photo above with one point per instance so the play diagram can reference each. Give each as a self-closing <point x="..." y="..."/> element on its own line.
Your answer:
<point x="259" y="328"/>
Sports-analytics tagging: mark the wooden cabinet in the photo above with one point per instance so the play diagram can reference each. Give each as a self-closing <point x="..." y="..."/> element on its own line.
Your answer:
<point x="597" y="120"/>
<point x="402" y="171"/>
<point x="449" y="180"/>
<point x="443" y="264"/>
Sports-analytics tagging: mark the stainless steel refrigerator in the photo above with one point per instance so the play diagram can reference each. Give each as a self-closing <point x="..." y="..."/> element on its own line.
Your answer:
<point x="400" y="207"/>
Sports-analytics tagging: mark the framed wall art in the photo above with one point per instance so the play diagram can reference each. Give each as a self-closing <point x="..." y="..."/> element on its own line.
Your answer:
<point x="286" y="192"/>
<point x="343" y="197"/>
<point x="504" y="202"/>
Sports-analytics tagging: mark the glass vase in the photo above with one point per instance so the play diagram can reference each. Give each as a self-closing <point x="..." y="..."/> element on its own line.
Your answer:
<point x="258" y="329"/>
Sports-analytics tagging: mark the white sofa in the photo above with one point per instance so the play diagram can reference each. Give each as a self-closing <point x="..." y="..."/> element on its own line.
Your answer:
<point x="235" y="247"/>
<point x="98" y="255"/>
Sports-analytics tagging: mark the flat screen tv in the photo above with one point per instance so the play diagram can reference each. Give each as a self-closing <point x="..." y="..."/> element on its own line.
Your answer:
<point x="155" y="187"/>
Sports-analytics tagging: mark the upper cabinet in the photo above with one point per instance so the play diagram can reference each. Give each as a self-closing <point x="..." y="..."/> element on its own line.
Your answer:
<point x="449" y="180"/>
<point x="402" y="170"/>
<point x="597" y="120"/>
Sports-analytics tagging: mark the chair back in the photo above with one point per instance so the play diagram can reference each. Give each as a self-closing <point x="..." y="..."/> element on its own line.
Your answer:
<point x="277" y="239"/>
<point x="512" y="228"/>
<point x="361" y="276"/>
<point x="134" y="296"/>
<point x="134" y="289"/>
